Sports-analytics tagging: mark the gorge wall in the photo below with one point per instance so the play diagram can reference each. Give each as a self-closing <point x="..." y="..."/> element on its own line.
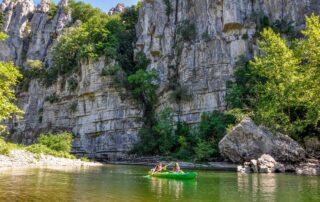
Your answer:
<point x="192" y="44"/>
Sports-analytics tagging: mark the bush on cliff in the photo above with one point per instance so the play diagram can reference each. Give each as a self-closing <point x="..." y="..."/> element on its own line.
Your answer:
<point x="280" y="86"/>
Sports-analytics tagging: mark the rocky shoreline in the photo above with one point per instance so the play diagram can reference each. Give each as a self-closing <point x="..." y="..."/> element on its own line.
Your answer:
<point x="265" y="164"/>
<point x="25" y="159"/>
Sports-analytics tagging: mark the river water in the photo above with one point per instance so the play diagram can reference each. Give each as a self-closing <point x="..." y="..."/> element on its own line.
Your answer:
<point x="129" y="184"/>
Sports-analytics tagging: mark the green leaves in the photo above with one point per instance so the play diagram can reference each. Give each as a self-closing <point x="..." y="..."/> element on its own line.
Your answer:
<point x="281" y="85"/>
<point x="9" y="77"/>
<point x="143" y="85"/>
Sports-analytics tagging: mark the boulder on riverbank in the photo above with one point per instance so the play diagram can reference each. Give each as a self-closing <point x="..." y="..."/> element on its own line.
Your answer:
<point x="247" y="141"/>
<point x="22" y="159"/>
<point x="264" y="164"/>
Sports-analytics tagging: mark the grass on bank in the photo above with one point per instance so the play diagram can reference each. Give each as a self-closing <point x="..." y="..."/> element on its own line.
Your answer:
<point x="58" y="145"/>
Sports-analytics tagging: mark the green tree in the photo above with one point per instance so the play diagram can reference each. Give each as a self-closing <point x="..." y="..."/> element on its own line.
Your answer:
<point x="143" y="86"/>
<point x="9" y="77"/>
<point x="278" y="65"/>
<point x="280" y="86"/>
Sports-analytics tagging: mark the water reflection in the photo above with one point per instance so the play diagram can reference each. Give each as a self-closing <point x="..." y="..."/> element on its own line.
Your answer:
<point x="171" y="187"/>
<point x="51" y="184"/>
<point x="258" y="186"/>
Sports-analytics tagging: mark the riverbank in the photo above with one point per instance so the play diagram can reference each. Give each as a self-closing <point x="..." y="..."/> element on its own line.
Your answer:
<point x="218" y="166"/>
<point x="24" y="159"/>
<point x="310" y="167"/>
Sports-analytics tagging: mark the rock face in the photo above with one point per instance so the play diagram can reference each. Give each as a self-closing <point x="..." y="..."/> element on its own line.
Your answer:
<point x="193" y="43"/>
<point x="31" y="31"/>
<point x="197" y="42"/>
<point x="104" y="121"/>
<point x="118" y="9"/>
<point x="247" y="141"/>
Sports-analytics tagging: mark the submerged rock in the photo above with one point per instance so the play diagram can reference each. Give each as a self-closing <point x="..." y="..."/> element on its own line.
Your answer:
<point x="247" y="141"/>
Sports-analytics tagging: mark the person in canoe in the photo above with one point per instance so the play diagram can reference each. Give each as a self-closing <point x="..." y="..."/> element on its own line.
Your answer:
<point x="176" y="168"/>
<point x="158" y="168"/>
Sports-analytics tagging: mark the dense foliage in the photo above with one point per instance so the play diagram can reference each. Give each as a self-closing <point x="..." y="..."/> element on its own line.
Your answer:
<point x="96" y="34"/>
<point x="9" y="77"/>
<point x="6" y="147"/>
<point x="179" y="140"/>
<point x="280" y="86"/>
<point x="58" y="145"/>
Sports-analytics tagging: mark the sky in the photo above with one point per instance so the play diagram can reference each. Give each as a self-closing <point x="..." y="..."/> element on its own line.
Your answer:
<point x="105" y="5"/>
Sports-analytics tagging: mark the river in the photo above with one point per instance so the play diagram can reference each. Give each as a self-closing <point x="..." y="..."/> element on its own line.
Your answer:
<point x="129" y="184"/>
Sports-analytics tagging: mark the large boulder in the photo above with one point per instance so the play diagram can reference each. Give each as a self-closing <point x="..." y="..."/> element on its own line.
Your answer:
<point x="247" y="141"/>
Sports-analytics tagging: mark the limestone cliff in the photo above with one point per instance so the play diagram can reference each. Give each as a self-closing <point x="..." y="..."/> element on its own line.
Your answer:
<point x="197" y="42"/>
<point x="194" y="43"/>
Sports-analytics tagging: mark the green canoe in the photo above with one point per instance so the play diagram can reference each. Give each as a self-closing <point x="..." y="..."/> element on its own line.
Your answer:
<point x="179" y="176"/>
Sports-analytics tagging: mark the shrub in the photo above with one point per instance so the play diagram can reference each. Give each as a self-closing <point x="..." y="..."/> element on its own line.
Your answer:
<point x="35" y="65"/>
<point x="187" y="30"/>
<point x="42" y="149"/>
<point x="212" y="128"/>
<point x="85" y="159"/>
<point x="159" y="138"/>
<point x="312" y="145"/>
<point x="204" y="151"/>
<point x="52" y="10"/>
<point x="53" y="98"/>
<point x="58" y="145"/>
<point x="72" y="83"/>
<point x="4" y="149"/>
<point x="168" y="7"/>
<point x="143" y="86"/>
<point x="57" y="142"/>
<point x="35" y="70"/>
<point x="1" y="19"/>
<point x="82" y="11"/>
<point x="74" y="106"/>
